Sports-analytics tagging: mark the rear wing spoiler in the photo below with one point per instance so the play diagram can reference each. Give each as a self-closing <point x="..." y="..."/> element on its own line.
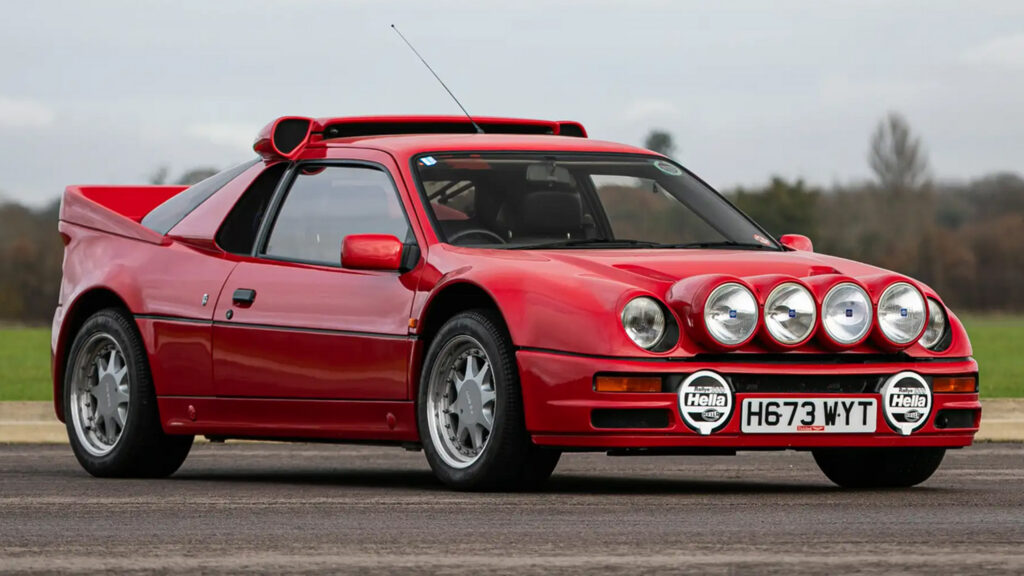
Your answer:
<point x="116" y="210"/>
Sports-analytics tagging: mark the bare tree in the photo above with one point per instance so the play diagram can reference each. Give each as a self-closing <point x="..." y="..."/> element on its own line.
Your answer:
<point x="660" y="141"/>
<point x="896" y="156"/>
<point x="159" y="176"/>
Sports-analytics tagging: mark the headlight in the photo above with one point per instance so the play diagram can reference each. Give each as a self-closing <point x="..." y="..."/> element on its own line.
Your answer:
<point x="846" y="313"/>
<point x="789" y="313"/>
<point x="901" y="313"/>
<point x="644" y="321"/>
<point x="936" y="328"/>
<point x="730" y="314"/>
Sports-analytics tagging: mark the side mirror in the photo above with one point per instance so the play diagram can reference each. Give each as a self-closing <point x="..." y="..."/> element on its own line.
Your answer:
<point x="797" y="242"/>
<point x="373" y="252"/>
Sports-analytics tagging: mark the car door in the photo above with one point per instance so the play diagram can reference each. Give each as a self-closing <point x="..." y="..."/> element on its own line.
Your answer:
<point x="292" y="322"/>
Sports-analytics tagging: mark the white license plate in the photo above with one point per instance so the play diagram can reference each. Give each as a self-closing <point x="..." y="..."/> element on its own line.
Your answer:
<point x="808" y="415"/>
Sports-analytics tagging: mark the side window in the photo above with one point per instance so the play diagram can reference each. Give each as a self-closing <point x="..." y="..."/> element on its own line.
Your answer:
<point x="238" y="232"/>
<point x="327" y="203"/>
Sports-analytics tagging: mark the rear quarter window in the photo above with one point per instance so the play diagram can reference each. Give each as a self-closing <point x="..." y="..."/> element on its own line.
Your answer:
<point x="167" y="215"/>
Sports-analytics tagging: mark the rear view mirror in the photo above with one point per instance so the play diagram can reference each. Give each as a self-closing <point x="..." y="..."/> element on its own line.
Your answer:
<point x="548" y="173"/>
<point x="797" y="242"/>
<point x="371" y="252"/>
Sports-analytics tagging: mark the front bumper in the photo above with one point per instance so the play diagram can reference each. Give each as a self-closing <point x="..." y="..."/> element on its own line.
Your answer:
<point x="559" y="401"/>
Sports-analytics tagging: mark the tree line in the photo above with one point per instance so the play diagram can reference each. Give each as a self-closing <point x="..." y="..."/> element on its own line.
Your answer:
<point x="963" y="239"/>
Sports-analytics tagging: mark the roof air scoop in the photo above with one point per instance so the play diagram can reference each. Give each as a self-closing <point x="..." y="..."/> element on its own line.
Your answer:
<point x="283" y="138"/>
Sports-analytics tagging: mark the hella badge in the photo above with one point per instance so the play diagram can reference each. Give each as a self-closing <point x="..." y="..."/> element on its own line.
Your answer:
<point x="705" y="402"/>
<point x="907" y="402"/>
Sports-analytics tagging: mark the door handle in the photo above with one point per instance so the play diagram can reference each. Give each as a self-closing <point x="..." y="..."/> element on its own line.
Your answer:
<point x="243" y="297"/>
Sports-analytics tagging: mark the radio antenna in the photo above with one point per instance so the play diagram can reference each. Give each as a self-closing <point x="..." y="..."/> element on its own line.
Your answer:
<point x="479" y="130"/>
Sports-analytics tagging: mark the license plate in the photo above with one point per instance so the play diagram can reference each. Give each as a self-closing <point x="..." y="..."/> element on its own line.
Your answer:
<point x="808" y="415"/>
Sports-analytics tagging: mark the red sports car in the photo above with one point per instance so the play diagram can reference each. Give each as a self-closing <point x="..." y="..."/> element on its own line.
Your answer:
<point x="495" y="299"/>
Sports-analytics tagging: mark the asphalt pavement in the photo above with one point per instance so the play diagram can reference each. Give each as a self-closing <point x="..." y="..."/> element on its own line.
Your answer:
<point x="273" y="508"/>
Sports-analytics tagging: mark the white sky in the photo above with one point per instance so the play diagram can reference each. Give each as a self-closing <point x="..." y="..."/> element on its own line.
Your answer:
<point x="105" y="92"/>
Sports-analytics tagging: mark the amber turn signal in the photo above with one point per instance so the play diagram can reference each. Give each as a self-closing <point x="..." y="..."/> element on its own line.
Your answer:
<point x="628" y="384"/>
<point x="954" y="384"/>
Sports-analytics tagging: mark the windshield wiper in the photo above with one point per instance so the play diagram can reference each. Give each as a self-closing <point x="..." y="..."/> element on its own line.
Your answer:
<point x="596" y="242"/>
<point x="721" y="244"/>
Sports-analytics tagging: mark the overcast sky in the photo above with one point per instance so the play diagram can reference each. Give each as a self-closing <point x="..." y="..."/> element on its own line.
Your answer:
<point x="105" y="92"/>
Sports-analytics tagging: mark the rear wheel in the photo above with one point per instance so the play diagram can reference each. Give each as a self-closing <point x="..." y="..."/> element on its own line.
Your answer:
<point x="879" y="467"/>
<point x="110" y="404"/>
<point x="470" y="409"/>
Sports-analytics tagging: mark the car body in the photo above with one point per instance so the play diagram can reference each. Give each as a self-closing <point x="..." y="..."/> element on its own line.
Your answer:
<point x="263" y="321"/>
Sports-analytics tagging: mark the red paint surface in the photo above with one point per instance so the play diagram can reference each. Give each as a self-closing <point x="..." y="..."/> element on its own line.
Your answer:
<point x="313" y="332"/>
<point x="797" y="242"/>
<point x="327" y="352"/>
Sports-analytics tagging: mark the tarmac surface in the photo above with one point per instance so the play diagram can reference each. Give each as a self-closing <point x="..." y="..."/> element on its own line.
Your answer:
<point x="302" y="508"/>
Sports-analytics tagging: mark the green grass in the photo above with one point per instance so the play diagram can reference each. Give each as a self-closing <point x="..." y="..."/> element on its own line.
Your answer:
<point x="25" y="364"/>
<point x="998" y="346"/>
<point x="998" y="343"/>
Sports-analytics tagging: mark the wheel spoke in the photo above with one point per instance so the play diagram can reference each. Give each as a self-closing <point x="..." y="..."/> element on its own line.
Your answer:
<point x="462" y="433"/>
<point x="487" y="396"/>
<point x="120" y="375"/>
<point x="119" y="417"/>
<point x="477" y="436"/>
<point x="109" y="427"/>
<point x="482" y="374"/>
<point x="471" y="368"/>
<point x="121" y="395"/>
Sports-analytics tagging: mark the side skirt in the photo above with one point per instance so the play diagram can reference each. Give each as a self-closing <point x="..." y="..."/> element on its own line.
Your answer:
<point x="287" y="419"/>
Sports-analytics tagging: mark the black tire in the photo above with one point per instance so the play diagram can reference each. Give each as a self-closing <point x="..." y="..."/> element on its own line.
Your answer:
<point x="143" y="450"/>
<point x="509" y="460"/>
<point x="879" y="467"/>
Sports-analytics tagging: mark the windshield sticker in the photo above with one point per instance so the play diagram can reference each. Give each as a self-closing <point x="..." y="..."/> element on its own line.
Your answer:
<point x="762" y="240"/>
<point x="428" y="161"/>
<point x="667" y="168"/>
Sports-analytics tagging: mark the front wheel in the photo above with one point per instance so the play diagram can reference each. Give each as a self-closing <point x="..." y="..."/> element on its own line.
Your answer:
<point x="470" y="409"/>
<point x="110" y="404"/>
<point x="879" y="467"/>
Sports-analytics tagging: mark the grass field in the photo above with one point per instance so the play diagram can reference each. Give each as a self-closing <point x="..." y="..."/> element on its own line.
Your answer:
<point x="998" y="343"/>
<point x="25" y="364"/>
<point x="998" y="346"/>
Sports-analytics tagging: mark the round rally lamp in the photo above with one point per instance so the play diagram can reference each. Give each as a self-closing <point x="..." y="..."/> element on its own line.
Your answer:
<point x="936" y="327"/>
<point x="644" y="322"/>
<point x="902" y="313"/>
<point x="730" y="314"/>
<point x="790" y="313"/>
<point x="846" y="313"/>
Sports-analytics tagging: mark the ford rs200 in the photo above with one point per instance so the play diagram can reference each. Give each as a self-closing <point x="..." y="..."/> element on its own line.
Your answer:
<point x="495" y="292"/>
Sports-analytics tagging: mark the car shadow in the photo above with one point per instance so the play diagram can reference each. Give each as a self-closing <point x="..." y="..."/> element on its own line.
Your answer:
<point x="578" y="484"/>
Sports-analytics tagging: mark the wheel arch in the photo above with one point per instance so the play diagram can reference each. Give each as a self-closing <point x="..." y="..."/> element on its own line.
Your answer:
<point x="88" y="303"/>
<point x="444" y="303"/>
<point x="451" y="299"/>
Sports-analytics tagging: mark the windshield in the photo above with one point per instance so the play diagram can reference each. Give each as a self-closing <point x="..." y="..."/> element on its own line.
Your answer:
<point x="541" y="200"/>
